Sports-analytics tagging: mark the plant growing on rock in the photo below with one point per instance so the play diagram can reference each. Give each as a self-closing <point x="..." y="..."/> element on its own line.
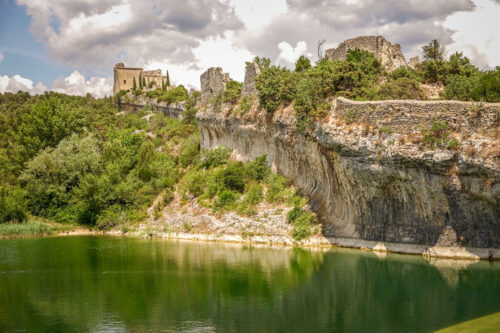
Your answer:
<point x="436" y="135"/>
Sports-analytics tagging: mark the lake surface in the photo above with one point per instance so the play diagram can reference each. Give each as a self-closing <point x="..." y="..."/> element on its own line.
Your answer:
<point x="106" y="284"/>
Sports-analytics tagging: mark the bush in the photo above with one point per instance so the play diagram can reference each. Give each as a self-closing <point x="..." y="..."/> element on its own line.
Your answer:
<point x="232" y="92"/>
<point x="401" y="88"/>
<point x="175" y="95"/>
<point x="245" y="104"/>
<point x="258" y="168"/>
<point x="12" y="205"/>
<point x="268" y="84"/>
<point x="302" y="64"/>
<point x="234" y="177"/>
<point x="276" y="191"/>
<point x="436" y="135"/>
<point x="254" y="194"/>
<point x="488" y="87"/>
<point x="460" y="87"/>
<point x="403" y="71"/>
<point x="214" y="157"/>
<point x="226" y="200"/>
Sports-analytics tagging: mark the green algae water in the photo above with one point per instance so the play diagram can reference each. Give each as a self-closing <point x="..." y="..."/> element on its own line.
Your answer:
<point x="108" y="284"/>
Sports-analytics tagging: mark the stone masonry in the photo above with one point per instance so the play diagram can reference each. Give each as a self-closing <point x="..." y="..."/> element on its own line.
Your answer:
<point x="389" y="54"/>
<point x="212" y="82"/>
<point x="251" y="72"/>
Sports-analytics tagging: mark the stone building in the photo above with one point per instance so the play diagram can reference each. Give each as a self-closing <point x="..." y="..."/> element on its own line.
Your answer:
<point x="390" y="55"/>
<point x="124" y="77"/>
<point x="251" y="72"/>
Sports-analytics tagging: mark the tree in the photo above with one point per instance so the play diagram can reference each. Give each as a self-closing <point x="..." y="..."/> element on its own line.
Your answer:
<point x="168" y="80"/>
<point x="144" y="82"/>
<point x="302" y="64"/>
<point x="434" y="50"/>
<point x="140" y="82"/>
<point x="134" y="85"/>
<point x="48" y="122"/>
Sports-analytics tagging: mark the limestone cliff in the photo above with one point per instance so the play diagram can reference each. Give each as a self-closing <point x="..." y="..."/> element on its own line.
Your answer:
<point x="369" y="176"/>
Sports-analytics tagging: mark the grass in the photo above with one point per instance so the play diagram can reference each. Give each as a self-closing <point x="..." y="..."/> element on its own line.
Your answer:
<point x="490" y="323"/>
<point x="34" y="227"/>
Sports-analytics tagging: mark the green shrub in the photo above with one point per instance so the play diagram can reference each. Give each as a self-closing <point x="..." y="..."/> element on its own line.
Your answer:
<point x="460" y="87"/>
<point x="234" y="177"/>
<point x="226" y="200"/>
<point x="436" y="135"/>
<point x="196" y="183"/>
<point x="488" y="87"/>
<point x="12" y="205"/>
<point x="302" y="64"/>
<point x="403" y="71"/>
<point x="216" y="101"/>
<point x="214" y="157"/>
<point x="232" y="92"/>
<point x="258" y="168"/>
<point x="276" y="191"/>
<point x="254" y="194"/>
<point x="454" y="144"/>
<point x="401" y="88"/>
<point x="245" y="104"/>
<point x="268" y="84"/>
<point x="175" y="95"/>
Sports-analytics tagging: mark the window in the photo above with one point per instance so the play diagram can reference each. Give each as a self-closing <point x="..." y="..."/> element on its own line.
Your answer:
<point x="124" y="81"/>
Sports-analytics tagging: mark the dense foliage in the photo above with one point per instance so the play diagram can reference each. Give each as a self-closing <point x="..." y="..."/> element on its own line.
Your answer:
<point x="360" y="76"/>
<point x="74" y="159"/>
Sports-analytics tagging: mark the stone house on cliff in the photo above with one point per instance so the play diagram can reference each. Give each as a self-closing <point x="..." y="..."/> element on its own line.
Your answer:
<point x="124" y="78"/>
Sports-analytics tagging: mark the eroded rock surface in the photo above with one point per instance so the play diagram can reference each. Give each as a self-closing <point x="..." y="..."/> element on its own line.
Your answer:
<point x="369" y="176"/>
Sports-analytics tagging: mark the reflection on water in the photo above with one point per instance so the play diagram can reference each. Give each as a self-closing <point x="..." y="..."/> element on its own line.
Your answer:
<point x="105" y="284"/>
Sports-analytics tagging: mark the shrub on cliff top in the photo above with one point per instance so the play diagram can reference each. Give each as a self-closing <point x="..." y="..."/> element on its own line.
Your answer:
<point x="232" y="92"/>
<point x="177" y="94"/>
<point x="401" y="88"/>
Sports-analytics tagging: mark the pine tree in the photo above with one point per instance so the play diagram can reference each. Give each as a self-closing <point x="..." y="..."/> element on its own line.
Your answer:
<point x="140" y="82"/>
<point x="134" y="86"/>
<point x="434" y="51"/>
<point x="168" y="80"/>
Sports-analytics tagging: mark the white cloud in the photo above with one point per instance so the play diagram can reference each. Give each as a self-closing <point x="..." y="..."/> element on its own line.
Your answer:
<point x="289" y="54"/>
<point x="477" y="33"/>
<point x="1" y="56"/>
<point x="76" y="84"/>
<point x="258" y="13"/>
<point x="213" y="52"/>
<point x="18" y="83"/>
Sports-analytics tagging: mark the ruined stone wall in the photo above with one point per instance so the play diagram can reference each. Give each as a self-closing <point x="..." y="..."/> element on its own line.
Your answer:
<point x="153" y="76"/>
<point x="212" y="81"/>
<point x="389" y="54"/>
<point x="251" y="72"/>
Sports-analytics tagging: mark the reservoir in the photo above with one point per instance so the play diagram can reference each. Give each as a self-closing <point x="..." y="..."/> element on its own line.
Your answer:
<point x="118" y="284"/>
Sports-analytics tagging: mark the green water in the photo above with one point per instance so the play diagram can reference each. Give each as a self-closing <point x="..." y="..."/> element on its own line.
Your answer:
<point x="104" y="284"/>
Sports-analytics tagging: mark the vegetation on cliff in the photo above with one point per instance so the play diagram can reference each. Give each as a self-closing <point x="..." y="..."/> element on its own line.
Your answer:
<point x="77" y="160"/>
<point x="361" y="77"/>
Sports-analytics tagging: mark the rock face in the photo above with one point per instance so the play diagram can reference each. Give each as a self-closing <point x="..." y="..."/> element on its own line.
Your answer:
<point x="251" y="72"/>
<point x="367" y="174"/>
<point x="389" y="54"/>
<point x="131" y="103"/>
<point x="414" y="62"/>
<point x="212" y="82"/>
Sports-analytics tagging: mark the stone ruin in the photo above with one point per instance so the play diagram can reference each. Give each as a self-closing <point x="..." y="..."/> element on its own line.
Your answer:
<point x="251" y="72"/>
<point x="413" y="62"/>
<point x="212" y="82"/>
<point x="390" y="55"/>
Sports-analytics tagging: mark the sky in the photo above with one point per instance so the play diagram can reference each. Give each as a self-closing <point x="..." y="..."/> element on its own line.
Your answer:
<point x="71" y="46"/>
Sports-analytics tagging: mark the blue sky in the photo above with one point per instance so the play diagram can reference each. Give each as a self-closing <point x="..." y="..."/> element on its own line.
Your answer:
<point x="22" y="54"/>
<point x="71" y="46"/>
